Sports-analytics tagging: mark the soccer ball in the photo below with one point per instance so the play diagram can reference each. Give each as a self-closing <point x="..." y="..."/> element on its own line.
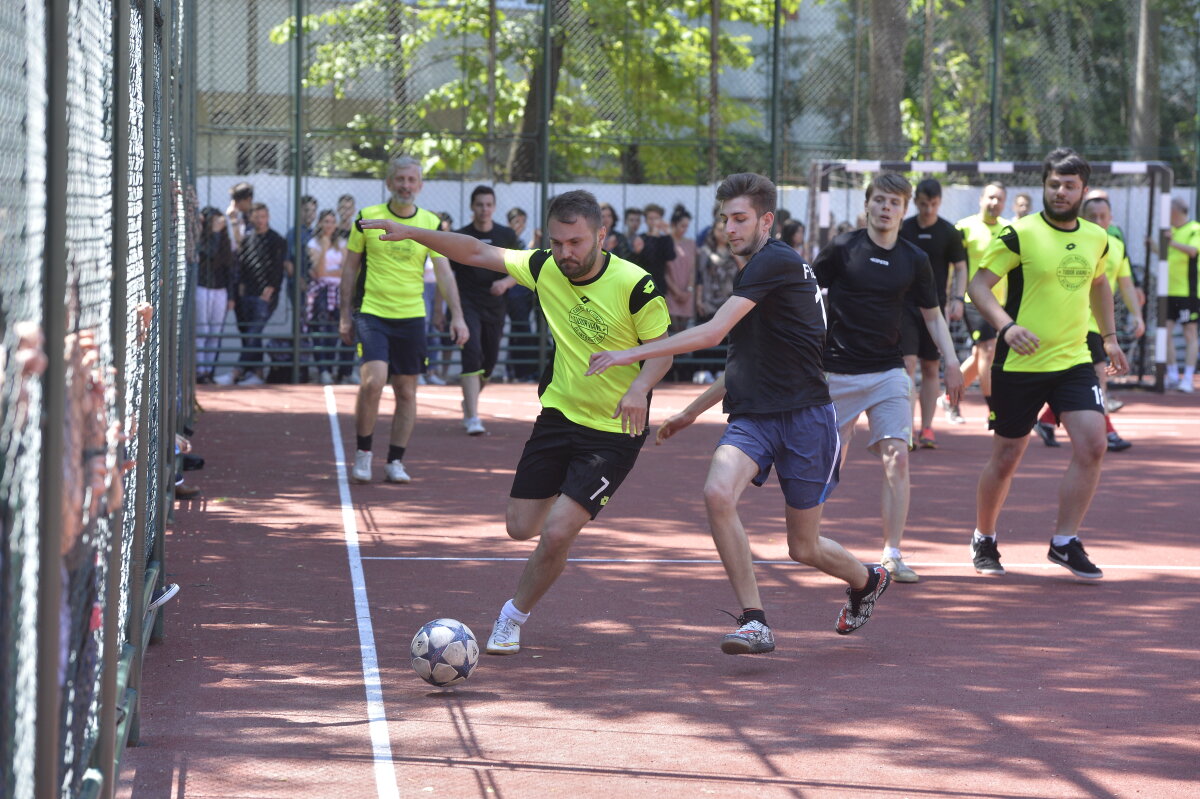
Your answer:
<point x="444" y="652"/>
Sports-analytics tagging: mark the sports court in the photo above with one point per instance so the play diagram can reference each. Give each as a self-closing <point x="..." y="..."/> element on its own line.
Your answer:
<point x="284" y="669"/>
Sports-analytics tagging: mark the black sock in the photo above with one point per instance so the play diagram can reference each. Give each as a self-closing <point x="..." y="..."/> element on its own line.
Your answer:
<point x="754" y="614"/>
<point x="872" y="581"/>
<point x="395" y="453"/>
<point x="364" y="443"/>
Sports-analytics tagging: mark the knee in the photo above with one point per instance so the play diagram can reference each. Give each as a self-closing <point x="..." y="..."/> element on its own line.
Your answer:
<point x="718" y="498"/>
<point x="803" y="551"/>
<point x="1090" y="453"/>
<point x="894" y="454"/>
<point x="556" y="543"/>
<point x="371" y="383"/>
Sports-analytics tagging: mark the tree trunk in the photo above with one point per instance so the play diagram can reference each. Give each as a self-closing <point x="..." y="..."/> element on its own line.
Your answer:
<point x="523" y="161"/>
<point x="1144" y="120"/>
<point x="889" y="30"/>
<point x="401" y="102"/>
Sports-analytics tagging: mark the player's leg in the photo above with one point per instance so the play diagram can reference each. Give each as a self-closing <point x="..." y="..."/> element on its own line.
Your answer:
<point x="373" y="349"/>
<point x="930" y="389"/>
<point x="886" y="395"/>
<point x="472" y="364"/>
<point x="562" y="524"/>
<point x="987" y="355"/>
<point x="910" y="368"/>
<point x="1080" y="405"/>
<point x="406" y="360"/>
<point x="1191" y="344"/>
<point x="730" y="471"/>
<point x="1172" y="374"/>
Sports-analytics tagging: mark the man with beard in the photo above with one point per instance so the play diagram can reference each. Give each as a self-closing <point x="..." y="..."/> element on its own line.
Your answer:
<point x="1055" y="264"/>
<point x="383" y="304"/>
<point x="780" y="412"/>
<point x="581" y="449"/>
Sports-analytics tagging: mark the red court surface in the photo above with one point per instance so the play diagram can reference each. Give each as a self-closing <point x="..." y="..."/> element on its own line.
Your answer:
<point x="1029" y="685"/>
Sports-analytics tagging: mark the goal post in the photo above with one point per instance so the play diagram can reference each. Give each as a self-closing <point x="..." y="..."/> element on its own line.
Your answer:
<point x="1142" y="209"/>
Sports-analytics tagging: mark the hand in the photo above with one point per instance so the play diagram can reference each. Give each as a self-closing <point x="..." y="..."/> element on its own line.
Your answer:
<point x="672" y="426"/>
<point x="1117" y="365"/>
<point x="633" y="410"/>
<point x="267" y="293"/>
<point x="392" y="231"/>
<point x="458" y="331"/>
<point x="346" y="331"/>
<point x="1022" y="341"/>
<point x="954" y="383"/>
<point x="1139" y="327"/>
<point x="601" y="361"/>
<point x="499" y="287"/>
<point x="954" y="309"/>
<point x="1140" y="295"/>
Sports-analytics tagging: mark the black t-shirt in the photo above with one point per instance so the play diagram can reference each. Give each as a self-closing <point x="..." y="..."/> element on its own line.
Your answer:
<point x="656" y="252"/>
<point x="943" y="243"/>
<point x="774" y="358"/>
<point x="261" y="260"/>
<point x="867" y="287"/>
<point x="475" y="283"/>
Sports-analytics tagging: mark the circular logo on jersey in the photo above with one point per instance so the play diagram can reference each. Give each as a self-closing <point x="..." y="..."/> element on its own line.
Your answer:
<point x="587" y="324"/>
<point x="1074" y="271"/>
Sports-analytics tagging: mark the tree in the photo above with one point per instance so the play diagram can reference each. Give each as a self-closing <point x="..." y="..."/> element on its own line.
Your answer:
<point x="889" y="30"/>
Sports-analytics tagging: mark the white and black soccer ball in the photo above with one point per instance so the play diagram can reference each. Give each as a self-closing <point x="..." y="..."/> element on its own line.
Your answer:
<point x="444" y="652"/>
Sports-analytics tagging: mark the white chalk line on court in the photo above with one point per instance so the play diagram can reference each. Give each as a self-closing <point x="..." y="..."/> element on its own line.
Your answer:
<point x="381" y="745"/>
<point x="707" y="562"/>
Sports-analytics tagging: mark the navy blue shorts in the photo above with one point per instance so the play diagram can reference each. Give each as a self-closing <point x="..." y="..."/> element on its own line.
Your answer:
<point x="398" y="342"/>
<point x="803" y="445"/>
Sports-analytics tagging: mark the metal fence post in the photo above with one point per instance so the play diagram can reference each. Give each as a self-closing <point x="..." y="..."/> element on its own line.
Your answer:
<point x="297" y="242"/>
<point x="54" y="319"/>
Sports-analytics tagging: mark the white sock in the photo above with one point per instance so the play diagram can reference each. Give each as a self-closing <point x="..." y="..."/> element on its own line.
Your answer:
<point x="509" y="611"/>
<point x="1189" y="373"/>
<point x="891" y="552"/>
<point x="980" y="536"/>
<point x="1061" y="540"/>
<point x="1172" y="371"/>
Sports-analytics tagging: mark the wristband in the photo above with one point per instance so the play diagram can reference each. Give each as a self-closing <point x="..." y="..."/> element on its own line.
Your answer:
<point x="1106" y="335"/>
<point x="1004" y="330"/>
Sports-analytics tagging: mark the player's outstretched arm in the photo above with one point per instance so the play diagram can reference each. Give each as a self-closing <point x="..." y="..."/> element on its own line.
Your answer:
<point x="634" y="407"/>
<point x="711" y="396"/>
<point x="1129" y="295"/>
<point x="1020" y="339"/>
<point x="455" y="246"/>
<point x="1102" y="309"/>
<point x="700" y="337"/>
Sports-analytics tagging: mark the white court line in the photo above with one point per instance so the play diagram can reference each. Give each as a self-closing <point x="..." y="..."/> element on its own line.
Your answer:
<point x="928" y="564"/>
<point x="381" y="745"/>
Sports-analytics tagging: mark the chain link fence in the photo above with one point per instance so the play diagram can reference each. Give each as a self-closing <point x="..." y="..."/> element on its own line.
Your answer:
<point x="95" y="167"/>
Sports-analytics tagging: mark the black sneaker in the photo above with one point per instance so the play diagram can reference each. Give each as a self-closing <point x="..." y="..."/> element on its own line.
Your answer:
<point x="1073" y="557"/>
<point x="161" y="595"/>
<point x="1046" y="431"/>
<point x="1116" y="443"/>
<point x="986" y="556"/>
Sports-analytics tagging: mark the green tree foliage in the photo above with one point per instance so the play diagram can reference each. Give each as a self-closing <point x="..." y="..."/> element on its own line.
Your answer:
<point x="631" y="98"/>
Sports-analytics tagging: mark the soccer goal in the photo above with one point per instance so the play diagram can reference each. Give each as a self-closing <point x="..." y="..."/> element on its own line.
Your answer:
<point x="1139" y="192"/>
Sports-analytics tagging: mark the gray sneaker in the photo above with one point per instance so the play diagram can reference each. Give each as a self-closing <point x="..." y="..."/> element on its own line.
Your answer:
<point x="361" y="471"/>
<point x="900" y="571"/>
<point x="750" y="638"/>
<point x="505" y="638"/>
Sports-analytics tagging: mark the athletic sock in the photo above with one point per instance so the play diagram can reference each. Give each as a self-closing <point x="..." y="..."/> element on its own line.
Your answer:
<point x="891" y="552"/>
<point x="1172" y="372"/>
<point x="1108" y="426"/>
<point x="872" y="581"/>
<point x="509" y="611"/>
<point x="364" y="443"/>
<point x="754" y="614"/>
<point x="1061" y="540"/>
<point x="978" y="536"/>
<point x="395" y="453"/>
<point x="1189" y="374"/>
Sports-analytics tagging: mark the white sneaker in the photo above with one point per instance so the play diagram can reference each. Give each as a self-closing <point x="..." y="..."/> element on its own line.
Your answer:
<point x="396" y="474"/>
<point x="361" y="473"/>
<point x="702" y="376"/>
<point x="474" y="426"/>
<point x="251" y="380"/>
<point x="1170" y="382"/>
<point x="505" y="638"/>
<point x="434" y="380"/>
<point x="326" y="379"/>
<point x="1186" y="387"/>
<point x="224" y="379"/>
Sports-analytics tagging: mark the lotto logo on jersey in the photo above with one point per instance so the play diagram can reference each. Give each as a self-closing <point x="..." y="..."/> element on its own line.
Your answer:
<point x="1073" y="271"/>
<point x="587" y="324"/>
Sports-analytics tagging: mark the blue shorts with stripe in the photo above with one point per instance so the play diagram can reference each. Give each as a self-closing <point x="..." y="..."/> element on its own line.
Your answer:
<point x="803" y="446"/>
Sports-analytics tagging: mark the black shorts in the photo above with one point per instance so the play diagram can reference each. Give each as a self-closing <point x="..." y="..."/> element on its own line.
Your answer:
<point x="398" y="342"/>
<point x="1184" y="310"/>
<point x="914" y="335"/>
<point x="562" y="457"/>
<point x="482" y="350"/>
<point x="1095" y="344"/>
<point x="1018" y="397"/>
<point x="981" y="329"/>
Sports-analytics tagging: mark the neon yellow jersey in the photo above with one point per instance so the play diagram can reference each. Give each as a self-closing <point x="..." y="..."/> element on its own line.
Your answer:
<point x="1050" y="274"/>
<point x="391" y="277"/>
<point x="1181" y="270"/>
<point x="977" y="235"/>
<point x="617" y="309"/>
<point x="1118" y="267"/>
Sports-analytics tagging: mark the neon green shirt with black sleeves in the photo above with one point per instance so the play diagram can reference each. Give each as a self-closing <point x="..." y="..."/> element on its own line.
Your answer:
<point x="1050" y="274"/>
<point x="977" y="237"/>
<point x="617" y="309"/>
<point x="1118" y="267"/>
<point x="391" y="277"/>
<point x="1182" y="270"/>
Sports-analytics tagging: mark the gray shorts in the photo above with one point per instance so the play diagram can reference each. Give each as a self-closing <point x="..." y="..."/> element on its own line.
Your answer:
<point x="883" y="396"/>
